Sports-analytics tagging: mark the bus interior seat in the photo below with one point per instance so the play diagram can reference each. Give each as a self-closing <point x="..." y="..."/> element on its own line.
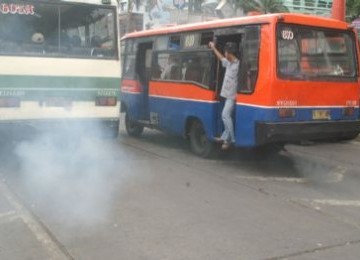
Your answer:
<point x="175" y="73"/>
<point x="9" y="47"/>
<point x="95" y="41"/>
<point x="56" y="49"/>
<point x="156" y="72"/>
<point x="193" y="74"/>
<point x="75" y="41"/>
<point x="81" y="51"/>
<point x="33" y="48"/>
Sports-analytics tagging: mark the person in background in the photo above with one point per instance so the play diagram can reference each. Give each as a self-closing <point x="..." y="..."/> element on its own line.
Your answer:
<point x="228" y="91"/>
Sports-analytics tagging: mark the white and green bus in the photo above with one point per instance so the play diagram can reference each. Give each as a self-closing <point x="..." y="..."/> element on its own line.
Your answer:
<point x="59" y="63"/>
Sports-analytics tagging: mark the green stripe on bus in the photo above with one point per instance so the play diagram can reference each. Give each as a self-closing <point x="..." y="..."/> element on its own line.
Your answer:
<point x="34" y="88"/>
<point x="15" y="81"/>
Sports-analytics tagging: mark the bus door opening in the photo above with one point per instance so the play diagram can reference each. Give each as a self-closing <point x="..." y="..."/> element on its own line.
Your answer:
<point x="220" y="41"/>
<point x="143" y="71"/>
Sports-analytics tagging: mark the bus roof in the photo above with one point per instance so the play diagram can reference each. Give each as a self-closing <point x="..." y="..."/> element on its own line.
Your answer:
<point x="256" y="19"/>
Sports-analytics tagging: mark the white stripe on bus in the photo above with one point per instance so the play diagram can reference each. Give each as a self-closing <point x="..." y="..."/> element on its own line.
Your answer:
<point x="277" y="107"/>
<point x="31" y="66"/>
<point x="32" y="110"/>
<point x="185" y="99"/>
<point x="240" y="104"/>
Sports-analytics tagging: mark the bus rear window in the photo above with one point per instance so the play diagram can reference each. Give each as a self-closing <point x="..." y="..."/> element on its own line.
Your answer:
<point x="51" y="29"/>
<point x="309" y="53"/>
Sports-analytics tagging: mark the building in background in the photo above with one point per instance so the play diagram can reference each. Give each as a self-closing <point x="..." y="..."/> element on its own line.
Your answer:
<point x="130" y="22"/>
<point x="160" y="13"/>
<point x="316" y="7"/>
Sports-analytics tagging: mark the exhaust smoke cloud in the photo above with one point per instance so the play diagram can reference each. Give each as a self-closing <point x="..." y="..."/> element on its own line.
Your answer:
<point x="72" y="179"/>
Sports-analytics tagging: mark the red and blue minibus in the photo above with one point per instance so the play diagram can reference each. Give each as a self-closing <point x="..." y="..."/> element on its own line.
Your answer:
<point x="298" y="80"/>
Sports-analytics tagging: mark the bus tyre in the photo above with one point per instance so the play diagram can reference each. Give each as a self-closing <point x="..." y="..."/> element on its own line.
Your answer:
<point x="132" y="128"/>
<point x="200" y="144"/>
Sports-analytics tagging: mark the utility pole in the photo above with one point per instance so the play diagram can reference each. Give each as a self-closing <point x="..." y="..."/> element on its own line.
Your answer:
<point x="338" y="10"/>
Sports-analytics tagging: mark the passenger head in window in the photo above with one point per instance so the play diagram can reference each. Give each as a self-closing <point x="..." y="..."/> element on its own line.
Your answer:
<point x="96" y="41"/>
<point x="170" y="68"/>
<point x="38" y="38"/>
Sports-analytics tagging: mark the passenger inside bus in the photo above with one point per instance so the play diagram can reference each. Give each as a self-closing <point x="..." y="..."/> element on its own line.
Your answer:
<point x="171" y="69"/>
<point x="194" y="71"/>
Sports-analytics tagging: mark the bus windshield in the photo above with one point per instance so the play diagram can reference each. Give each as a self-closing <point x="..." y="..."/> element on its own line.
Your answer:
<point x="50" y="29"/>
<point x="309" y="53"/>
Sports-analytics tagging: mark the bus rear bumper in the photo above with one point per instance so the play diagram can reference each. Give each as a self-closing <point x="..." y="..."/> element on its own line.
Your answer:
<point x="270" y="132"/>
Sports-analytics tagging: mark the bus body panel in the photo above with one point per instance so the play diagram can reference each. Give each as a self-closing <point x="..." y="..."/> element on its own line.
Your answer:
<point x="174" y="103"/>
<point x="132" y="97"/>
<point x="173" y="121"/>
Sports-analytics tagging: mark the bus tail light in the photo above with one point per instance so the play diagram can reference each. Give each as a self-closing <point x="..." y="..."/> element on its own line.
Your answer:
<point x="349" y="111"/>
<point x="9" y="102"/>
<point x="105" y="101"/>
<point x="286" y="112"/>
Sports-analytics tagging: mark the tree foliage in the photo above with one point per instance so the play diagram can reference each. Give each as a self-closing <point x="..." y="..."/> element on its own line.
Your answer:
<point x="262" y="6"/>
<point x="352" y="9"/>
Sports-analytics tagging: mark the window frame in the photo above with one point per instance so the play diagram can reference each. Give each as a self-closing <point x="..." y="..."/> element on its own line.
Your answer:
<point x="56" y="6"/>
<point x="179" y="56"/>
<point x="317" y="78"/>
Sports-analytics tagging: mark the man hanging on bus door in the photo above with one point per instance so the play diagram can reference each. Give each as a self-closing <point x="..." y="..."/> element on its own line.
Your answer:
<point x="228" y="91"/>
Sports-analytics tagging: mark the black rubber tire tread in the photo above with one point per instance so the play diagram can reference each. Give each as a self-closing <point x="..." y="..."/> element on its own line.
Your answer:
<point x="132" y="128"/>
<point x="199" y="143"/>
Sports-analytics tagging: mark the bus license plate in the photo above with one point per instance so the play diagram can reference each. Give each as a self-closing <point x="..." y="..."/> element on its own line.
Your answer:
<point x="321" y="115"/>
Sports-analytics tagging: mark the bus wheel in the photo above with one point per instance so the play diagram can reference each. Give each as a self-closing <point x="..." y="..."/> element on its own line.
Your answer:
<point x="200" y="144"/>
<point x="132" y="128"/>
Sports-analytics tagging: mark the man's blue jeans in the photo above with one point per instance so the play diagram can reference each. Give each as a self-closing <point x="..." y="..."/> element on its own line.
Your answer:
<point x="228" y="135"/>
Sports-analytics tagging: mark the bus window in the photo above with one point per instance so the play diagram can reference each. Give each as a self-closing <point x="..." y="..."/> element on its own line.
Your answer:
<point x="206" y="37"/>
<point x="174" y="43"/>
<point x="52" y="29"/>
<point x="249" y="59"/>
<point x="168" y="64"/>
<point x="196" y="67"/>
<point x="129" y="62"/>
<point x="129" y="67"/>
<point x="288" y="57"/>
<point x="161" y="43"/>
<point x="305" y="52"/>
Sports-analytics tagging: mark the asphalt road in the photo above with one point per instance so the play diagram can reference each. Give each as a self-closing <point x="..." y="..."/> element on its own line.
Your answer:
<point x="150" y="198"/>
